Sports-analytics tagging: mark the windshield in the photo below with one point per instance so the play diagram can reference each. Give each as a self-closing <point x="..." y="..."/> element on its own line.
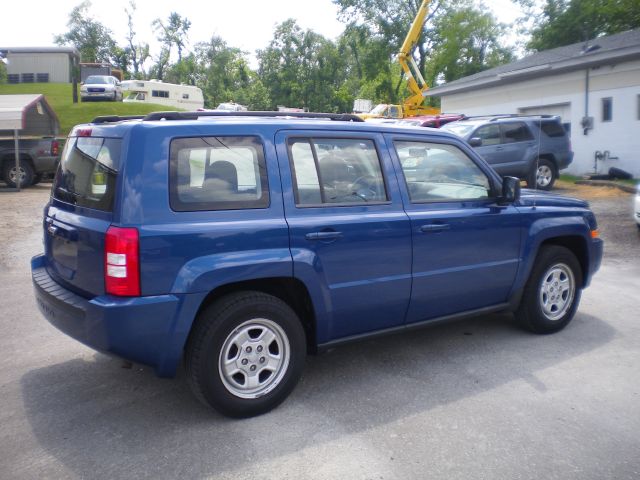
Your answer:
<point x="460" y="129"/>
<point x="97" y="79"/>
<point x="136" y="96"/>
<point x="379" y="109"/>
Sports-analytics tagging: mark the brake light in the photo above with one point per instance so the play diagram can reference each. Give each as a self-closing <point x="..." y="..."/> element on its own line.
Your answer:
<point x="81" y="132"/>
<point x="55" y="148"/>
<point x="122" y="262"/>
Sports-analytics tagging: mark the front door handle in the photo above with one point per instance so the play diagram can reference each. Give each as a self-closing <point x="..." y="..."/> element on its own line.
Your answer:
<point x="323" y="236"/>
<point x="434" y="227"/>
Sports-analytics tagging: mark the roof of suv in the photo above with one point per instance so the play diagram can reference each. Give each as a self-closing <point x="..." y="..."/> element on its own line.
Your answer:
<point x="114" y="126"/>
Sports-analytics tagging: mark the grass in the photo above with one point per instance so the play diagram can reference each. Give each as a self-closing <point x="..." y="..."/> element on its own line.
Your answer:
<point x="59" y="96"/>
<point x="573" y="179"/>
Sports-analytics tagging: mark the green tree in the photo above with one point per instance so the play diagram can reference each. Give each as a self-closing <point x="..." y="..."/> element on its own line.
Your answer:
<point x="224" y="75"/>
<point x="173" y="32"/>
<point x="458" y="39"/>
<point x="93" y="40"/>
<point x="564" y="22"/>
<point x="302" y="69"/>
<point x="389" y="20"/>
<point x="466" y="41"/>
<point x="3" y="72"/>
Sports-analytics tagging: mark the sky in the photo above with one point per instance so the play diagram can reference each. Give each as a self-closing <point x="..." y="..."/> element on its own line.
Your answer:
<point x="246" y="24"/>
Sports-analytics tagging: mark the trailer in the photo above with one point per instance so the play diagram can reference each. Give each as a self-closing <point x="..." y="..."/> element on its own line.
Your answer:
<point x="186" y="97"/>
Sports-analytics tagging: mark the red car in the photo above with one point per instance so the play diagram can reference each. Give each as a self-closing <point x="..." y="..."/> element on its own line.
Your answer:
<point x="433" y="121"/>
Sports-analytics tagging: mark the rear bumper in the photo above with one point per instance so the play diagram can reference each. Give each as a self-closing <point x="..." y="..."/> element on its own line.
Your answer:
<point x="147" y="330"/>
<point x="46" y="164"/>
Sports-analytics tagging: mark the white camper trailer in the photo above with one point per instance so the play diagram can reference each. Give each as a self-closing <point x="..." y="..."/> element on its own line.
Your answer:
<point x="186" y="97"/>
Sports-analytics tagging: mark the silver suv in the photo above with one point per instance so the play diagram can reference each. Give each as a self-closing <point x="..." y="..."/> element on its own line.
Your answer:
<point x="533" y="148"/>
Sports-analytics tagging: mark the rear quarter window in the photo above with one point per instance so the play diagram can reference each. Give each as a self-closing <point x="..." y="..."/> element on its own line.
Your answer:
<point x="88" y="172"/>
<point x="217" y="173"/>
<point x="553" y="129"/>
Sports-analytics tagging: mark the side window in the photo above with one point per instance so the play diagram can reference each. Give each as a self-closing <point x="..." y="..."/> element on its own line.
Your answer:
<point x="435" y="172"/>
<point x="336" y="171"/>
<point x="393" y="111"/>
<point x="490" y="135"/>
<point x="516" y="132"/>
<point x="217" y="173"/>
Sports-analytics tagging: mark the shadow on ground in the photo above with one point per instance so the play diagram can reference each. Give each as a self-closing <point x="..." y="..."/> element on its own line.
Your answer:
<point x="103" y="421"/>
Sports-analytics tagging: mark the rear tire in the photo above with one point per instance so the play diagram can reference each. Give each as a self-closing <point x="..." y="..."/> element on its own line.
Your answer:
<point x="543" y="175"/>
<point x="245" y="354"/>
<point x="552" y="293"/>
<point x="23" y="175"/>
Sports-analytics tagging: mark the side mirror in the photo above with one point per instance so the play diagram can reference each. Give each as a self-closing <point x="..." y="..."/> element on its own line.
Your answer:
<point x="475" y="142"/>
<point x="510" y="190"/>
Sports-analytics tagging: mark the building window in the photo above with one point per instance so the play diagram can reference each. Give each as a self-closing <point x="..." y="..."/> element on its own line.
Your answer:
<point x="607" y="109"/>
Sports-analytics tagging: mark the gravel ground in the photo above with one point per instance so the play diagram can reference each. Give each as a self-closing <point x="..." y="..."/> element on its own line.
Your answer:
<point x="475" y="399"/>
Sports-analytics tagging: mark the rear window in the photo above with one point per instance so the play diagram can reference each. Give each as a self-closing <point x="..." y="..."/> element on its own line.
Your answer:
<point x="88" y="171"/>
<point x="218" y="173"/>
<point x="553" y="129"/>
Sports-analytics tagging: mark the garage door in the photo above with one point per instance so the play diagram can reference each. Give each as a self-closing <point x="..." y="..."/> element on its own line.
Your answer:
<point x="563" y="110"/>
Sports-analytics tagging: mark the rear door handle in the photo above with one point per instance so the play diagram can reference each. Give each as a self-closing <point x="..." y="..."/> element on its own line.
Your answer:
<point x="434" y="227"/>
<point x="498" y="149"/>
<point x="323" y="236"/>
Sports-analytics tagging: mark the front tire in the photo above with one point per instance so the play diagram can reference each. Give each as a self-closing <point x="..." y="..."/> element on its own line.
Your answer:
<point x="23" y="175"/>
<point x="543" y="175"/>
<point x="245" y="354"/>
<point x="552" y="293"/>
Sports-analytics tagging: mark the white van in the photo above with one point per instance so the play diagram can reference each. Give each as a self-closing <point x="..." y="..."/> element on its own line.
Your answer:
<point x="186" y="97"/>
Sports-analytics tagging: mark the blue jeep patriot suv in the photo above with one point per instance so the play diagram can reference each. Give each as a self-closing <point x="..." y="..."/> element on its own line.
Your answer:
<point x="239" y="242"/>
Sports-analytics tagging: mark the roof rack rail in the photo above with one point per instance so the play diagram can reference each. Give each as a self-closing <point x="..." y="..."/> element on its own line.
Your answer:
<point x="520" y="115"/>
<point x="499" y="116"/>
<point x="339" y="117"/>
<point x="115" y="118"/>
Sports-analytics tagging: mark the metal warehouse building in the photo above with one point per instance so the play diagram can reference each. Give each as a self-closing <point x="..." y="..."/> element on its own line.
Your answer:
<point x="40" y="64"/>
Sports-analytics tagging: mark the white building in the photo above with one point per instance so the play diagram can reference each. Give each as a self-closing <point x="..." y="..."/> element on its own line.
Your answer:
<point x="40" y="64"/>
<point x="594" y="87"/>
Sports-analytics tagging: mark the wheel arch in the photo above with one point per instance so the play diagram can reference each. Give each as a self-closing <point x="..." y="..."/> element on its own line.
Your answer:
<point x="10" y="157"/>
<point x="552" y="158"/>
<point x="288" y="289"/>
<point x="577" y="245"/>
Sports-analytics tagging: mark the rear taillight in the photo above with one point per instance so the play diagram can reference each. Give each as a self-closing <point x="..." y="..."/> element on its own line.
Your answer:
<point x="55" y="148"/>
<point x="122" y="262"/>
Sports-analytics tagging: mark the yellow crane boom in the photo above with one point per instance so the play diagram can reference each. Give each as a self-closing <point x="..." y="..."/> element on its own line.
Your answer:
<point x="415" y="81"/>
<point x="413" y="105"/>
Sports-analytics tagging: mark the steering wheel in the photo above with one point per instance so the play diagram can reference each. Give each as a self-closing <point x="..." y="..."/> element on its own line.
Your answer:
<point x="366" y="187"/>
